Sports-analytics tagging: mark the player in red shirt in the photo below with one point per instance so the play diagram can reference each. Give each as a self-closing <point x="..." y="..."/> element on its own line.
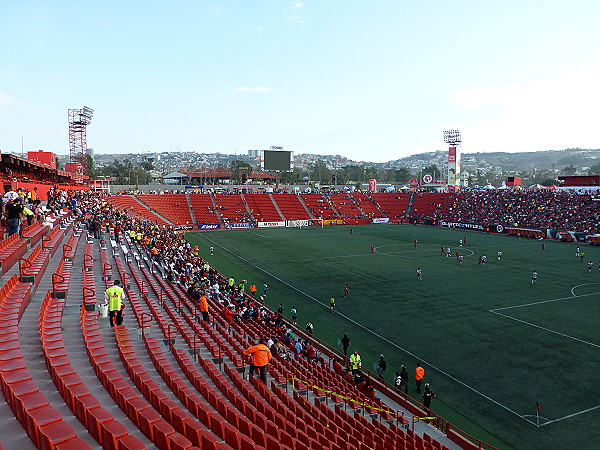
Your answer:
<point x="415" y="243"/>
<point x="346" y="290"/>
<point x="372" y="249"/>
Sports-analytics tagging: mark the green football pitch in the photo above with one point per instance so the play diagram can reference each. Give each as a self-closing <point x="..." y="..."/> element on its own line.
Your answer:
<point x="492" y="343"/>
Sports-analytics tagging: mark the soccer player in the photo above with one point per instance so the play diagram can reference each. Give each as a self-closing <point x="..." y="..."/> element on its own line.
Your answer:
<point x="460" y="259"/>
<point x="590" y="266"/>
<point x="332" y="304"/>
<point x="448" y="252"/>
<point x="499" y="255"/>
<point x="543" y="247"/>
<point x="212" y="250"/>
<point x="419" y="274"/>
<point x="577" y="252"/>
<point x="460" y="243"/>
<point x="415" y="243"/>
<point x="483" y="259"/>
<point x="346" y="290"/>
<point x="479" y="261"/>
<point x="442" y="250"/>
<point x="372" y="249"/>
<point x="533" y="277"/>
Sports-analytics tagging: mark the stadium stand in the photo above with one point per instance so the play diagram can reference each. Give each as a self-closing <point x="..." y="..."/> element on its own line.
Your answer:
<point x="291" y="207"/>
<point x="319" y="206"/>
<point x="203" y="209"/>
<point x="163" y="377"/>
<point x="130" y="204"/>
<point x="262" y="207"/>
<point x="345" y="206"/>
<point x="366" y="204"/>
<point x="232" y="208"/>
<point x="425" y="203"/>
<point x="559" y="210"/>
<point x="172" y="206"/>
<point x="394" y="205"/>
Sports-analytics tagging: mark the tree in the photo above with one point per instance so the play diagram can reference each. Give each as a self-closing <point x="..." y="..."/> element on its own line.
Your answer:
<point x="402" y="175"/>
<point x="571" y="170"/>
<point x="240" y="171"/>
<point x="320" y="172"/>
<point x="432" y="170"/>
<point x="91" y="167"/>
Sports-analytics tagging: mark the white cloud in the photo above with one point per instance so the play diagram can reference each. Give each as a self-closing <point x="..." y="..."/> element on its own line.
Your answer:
<point x="216" y="8"/>
<point x="6" y="99"/>
<point x="251" y="90"/>
<point x="295" y="15"/>
<point x="260" y="28"/>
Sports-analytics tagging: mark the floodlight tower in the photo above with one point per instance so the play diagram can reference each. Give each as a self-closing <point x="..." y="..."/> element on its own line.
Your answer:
<point x="79" y="119"/>
<point x="452" y="138"/>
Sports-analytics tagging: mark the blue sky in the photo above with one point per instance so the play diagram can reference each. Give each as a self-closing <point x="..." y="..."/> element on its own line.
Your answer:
<point x="374" y="80"/>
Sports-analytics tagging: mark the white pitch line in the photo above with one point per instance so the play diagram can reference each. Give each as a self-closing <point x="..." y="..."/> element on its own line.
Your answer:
<point x="579" y="285"/>
<point x="544" y="301"/>
<point x="570" y="415"/>
<point x="382" y="338"/>
<point x="546" y="329"/>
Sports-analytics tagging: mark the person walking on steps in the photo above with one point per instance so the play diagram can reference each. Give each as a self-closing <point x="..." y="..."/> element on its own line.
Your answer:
<point x="261" y="355"/>
<point x="114" y="295"/>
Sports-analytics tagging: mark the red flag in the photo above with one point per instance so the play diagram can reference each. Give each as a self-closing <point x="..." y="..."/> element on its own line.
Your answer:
<point x="537" y="405"/>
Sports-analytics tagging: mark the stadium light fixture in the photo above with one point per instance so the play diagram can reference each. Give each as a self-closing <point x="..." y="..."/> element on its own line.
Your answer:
<point x="452" y="137"/>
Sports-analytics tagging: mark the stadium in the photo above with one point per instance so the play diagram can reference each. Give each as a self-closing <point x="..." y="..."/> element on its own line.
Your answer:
<point x="501" y="315"/>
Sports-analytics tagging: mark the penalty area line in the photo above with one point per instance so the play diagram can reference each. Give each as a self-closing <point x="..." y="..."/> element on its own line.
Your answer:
<point x="546" y="329"/>
<point x="462" y="383"/>
<point x="545" y="301"/>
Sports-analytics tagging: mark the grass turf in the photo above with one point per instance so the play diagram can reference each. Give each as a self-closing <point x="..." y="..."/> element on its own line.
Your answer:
<point x="488" y="361"/>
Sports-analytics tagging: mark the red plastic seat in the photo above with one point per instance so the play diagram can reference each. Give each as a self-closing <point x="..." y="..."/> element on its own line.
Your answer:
<point x="112" y="432"/>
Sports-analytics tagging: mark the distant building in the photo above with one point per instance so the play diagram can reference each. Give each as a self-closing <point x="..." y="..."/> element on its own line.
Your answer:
<point x="47" y="158"/>
<point x="580" y="180"/>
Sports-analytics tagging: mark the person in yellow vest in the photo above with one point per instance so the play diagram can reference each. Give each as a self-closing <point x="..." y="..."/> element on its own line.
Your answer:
<point x="114" y="295"/>
<point x="29" y="215"/>
<point x="138" y="237"/>
<point x="355" y="362"/>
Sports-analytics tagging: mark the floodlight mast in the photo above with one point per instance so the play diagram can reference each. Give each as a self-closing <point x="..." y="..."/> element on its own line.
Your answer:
<point x="453" y="139"/>
<point x="79" y="119"/>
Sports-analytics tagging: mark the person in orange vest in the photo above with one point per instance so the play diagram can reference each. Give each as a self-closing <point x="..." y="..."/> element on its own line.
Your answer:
<point x="419" y="374"/>
<point x="261" y="355"/>
<point x="253" y="290"/>
<point x="204" y="307"/>
<point x="154" y="252"/>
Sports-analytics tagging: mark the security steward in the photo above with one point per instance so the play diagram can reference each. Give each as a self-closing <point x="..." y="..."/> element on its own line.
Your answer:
<point x="261" y="355"/>
<point x="114" y="295"/>
<point x="355" y="362"/>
